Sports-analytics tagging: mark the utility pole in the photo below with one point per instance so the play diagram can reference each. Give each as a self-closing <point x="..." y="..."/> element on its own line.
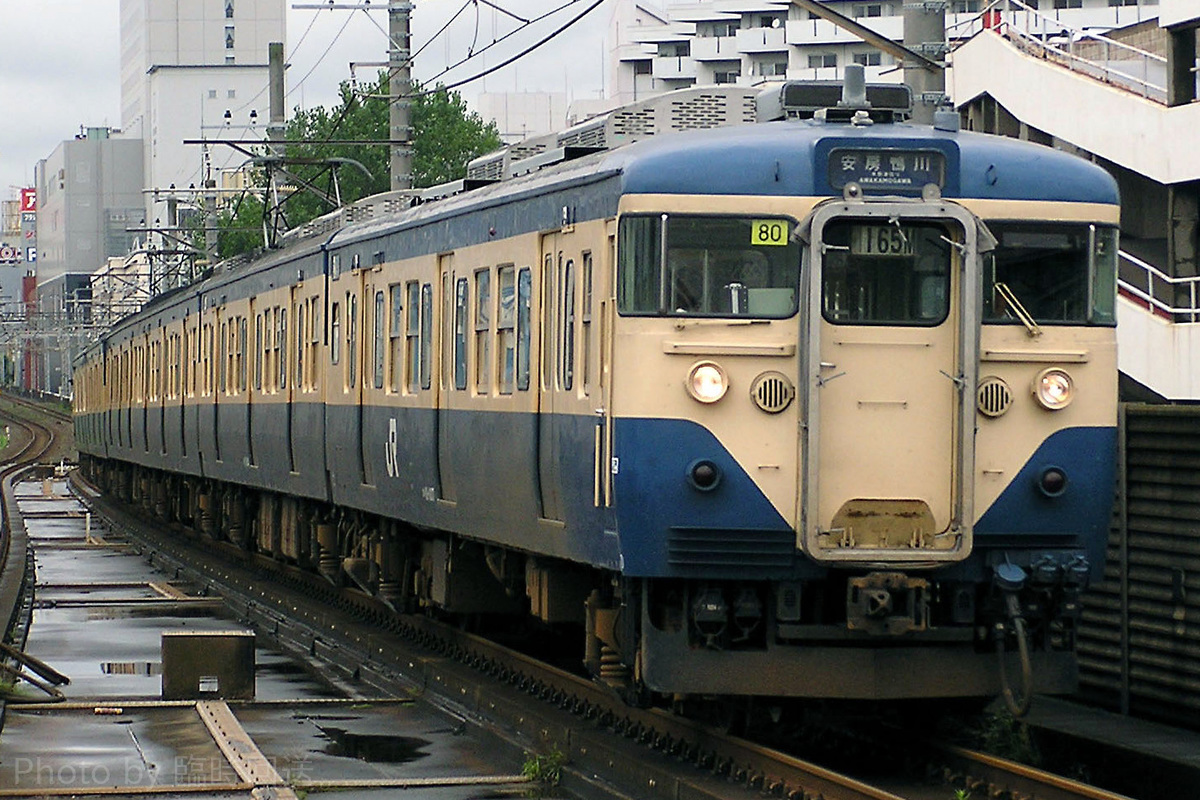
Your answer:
<point x="925" y="33"/>
<point x="399" y="82"/>
<point x="399" y="87"/>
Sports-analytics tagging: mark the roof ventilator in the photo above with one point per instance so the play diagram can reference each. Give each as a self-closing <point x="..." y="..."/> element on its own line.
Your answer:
<point x="833" y="101"/>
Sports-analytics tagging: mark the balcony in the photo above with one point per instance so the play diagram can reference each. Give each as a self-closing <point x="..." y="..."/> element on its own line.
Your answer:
<point x="715" y="48"/>
<point x="656" y="34"/>
<point x="673" y="67"/>
<point x="762" y="40"/>
<point x="634" y="52"/>
<point x="804" y="32"/>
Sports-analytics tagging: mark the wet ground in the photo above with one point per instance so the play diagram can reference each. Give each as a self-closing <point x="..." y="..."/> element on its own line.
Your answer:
<point x="100" y="612"/>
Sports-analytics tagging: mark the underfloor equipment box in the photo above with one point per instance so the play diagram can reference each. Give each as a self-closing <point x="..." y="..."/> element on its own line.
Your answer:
<point x="204" y="665"/>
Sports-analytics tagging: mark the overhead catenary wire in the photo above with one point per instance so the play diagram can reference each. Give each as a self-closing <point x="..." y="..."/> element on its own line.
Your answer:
<point x="507" y="61"/>
<point x="319" y="60"/>
<point x="295" y="49"/>
<point x="481" y="51"/>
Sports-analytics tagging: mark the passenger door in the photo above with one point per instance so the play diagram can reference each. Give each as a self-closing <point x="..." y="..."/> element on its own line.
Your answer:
<point x="552" y="373"/>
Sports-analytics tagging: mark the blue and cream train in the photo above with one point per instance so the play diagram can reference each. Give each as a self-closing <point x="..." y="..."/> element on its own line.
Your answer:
<point x="817" y="407"/>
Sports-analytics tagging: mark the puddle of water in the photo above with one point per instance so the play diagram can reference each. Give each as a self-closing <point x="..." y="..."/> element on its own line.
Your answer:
<point x="374" y="748"/>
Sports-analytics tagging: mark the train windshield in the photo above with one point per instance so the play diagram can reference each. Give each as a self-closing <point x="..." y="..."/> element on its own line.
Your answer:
<point x="876" y="272"/>
<point x="1059" y="273"/>
<point x="716" y="266"/>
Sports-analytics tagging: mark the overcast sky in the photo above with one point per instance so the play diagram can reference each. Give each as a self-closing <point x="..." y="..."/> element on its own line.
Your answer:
<point x="60" y="70"/>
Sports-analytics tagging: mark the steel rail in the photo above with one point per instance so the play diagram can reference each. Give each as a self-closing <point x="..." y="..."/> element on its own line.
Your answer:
<point x="662" y="754"/>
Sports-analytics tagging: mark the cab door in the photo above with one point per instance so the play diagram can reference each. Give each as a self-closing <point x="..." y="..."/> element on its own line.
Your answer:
<point x="893" y="331"/>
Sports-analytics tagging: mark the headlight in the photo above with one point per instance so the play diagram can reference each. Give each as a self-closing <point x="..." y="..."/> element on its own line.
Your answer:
<point x="706" y="382"/>
<point x="1053" y="388"/>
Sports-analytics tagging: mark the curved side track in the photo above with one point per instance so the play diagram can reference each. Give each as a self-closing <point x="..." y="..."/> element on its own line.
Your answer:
<point x="16" y="560"/>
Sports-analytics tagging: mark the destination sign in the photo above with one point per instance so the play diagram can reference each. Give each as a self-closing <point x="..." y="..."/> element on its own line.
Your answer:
<point x="887" y="170"/>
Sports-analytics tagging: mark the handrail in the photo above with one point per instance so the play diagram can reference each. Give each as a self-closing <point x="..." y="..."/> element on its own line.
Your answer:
<point x="1187" y="314"/>
<point x="1035" y="32"/>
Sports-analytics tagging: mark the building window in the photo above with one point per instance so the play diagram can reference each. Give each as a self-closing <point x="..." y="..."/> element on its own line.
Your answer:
<point x="228" y="9"/>
<point x="725" y="29"/>
<point x="868" y="59"/>
<point x="726" y="77"/>
<point x="228" y="37"/>
<point x="675" y="49"/>
<point x="1060" y="4"/>
<point x="868" y="10"/>
<point x="822" y="60"/>
<point x="641" y="67"/>
<point x="231" y="94"/>
<point x="973" y="6"/>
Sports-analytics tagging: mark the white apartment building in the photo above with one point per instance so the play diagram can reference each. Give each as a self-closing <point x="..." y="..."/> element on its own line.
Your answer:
<point x="194" y="69"/>
<point x="660" y="48"/>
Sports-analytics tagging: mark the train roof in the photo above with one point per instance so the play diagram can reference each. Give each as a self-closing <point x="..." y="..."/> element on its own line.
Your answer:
<point x="789" y="158"/>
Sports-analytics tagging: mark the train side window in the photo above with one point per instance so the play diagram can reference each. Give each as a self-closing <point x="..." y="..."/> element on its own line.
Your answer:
<point x="335" y="333"/>
<point x="586" y="324"/>
<point x="412" y="337"/>
<point x="314" y="340"/>
<point x="281" y="348"/>
<point x="258" y="351"/>
<point x="301" y="344"/>
<point x="1053" y="270"/>
<point x="426" y="335"/>
<point x="707" y="266"/>
<point x="351" y="340"/>
<point x="524" y="328"/>
<point x="483" y="329"/>
<point x="241" y="357"/>
<point x="461" y="298"/>
<point x="396" y="337"/>
<point x="231" y="357"/>
<point x="222" y="355"/>
<point x="506" y="322"/>
<point x="567" y="317"/>
<point x="380" y="319"/>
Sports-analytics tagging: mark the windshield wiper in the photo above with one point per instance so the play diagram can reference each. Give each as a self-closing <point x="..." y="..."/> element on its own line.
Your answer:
<point x="1010" y="300"/>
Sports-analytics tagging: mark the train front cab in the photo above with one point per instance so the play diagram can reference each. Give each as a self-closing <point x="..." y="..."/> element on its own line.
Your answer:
<point x="846" y="565"/>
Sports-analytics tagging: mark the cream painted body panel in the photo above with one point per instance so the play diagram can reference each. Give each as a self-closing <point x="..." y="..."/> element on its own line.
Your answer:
<point x="1005" y="443"/>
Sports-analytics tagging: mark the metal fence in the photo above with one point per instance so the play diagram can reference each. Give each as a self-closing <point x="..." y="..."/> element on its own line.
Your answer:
<point x="1139" y="643"/>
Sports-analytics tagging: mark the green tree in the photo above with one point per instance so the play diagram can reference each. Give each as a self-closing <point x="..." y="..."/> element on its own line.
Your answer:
<point x="446" y="135"/>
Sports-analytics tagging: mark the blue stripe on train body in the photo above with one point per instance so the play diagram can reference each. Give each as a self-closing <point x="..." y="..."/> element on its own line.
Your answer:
<point x="669" y="529"/>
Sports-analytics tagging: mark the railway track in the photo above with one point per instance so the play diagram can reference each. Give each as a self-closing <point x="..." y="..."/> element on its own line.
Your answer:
<point x="35" y="443"/>
<point x="611" y="749"/>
